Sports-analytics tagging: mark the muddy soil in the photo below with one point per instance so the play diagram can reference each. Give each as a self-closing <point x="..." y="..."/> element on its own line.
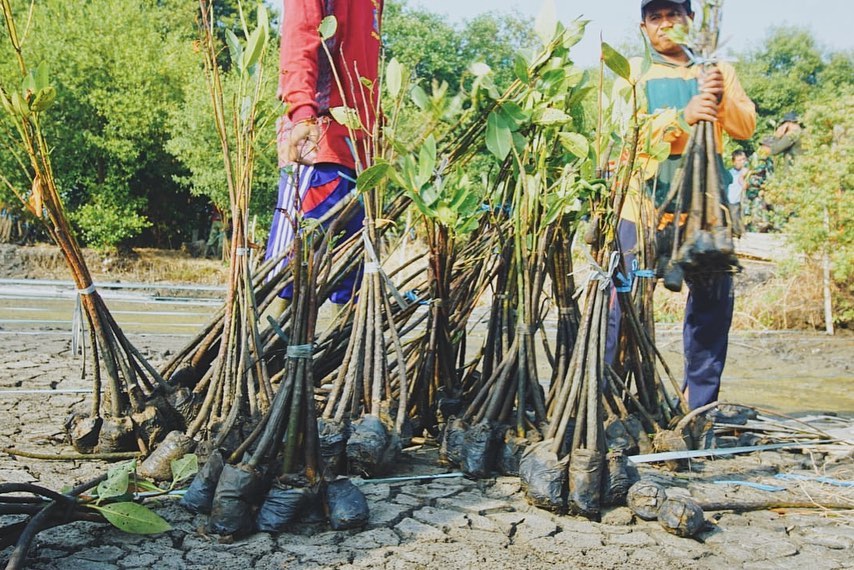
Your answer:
<point x="454" y="523"/>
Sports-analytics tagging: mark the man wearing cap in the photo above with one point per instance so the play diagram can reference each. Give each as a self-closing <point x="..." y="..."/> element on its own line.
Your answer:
<point x="675" y="91"/>
<point x="786" y="140"/>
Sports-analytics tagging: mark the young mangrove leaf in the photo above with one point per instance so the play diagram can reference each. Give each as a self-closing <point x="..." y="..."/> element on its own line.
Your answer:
<point x="394" y="77"/>
<point x="184" y="468"/>
<point x="499" y="138"/>
<point x="575" y="144"/>
<point x="513" y="115"/>
<point x="254" y="48"/>
<point x="479" y="69"/>
<point x="550" y="116"/>
<point x="327" y="28"/>
<point x="235" y="49"/>
<point x="420" y="98"/>
<point x="546" y="22"/>
<point x="133" y="518"/>
<point x="520" y="68"/>
<point x="115" y="485"/>
<point x="616" y="62"/>
<point x="346" y="116"/>
<point x="372" y="177"/>
<point x="573" y="34"/>
<point x="426" y="160"/>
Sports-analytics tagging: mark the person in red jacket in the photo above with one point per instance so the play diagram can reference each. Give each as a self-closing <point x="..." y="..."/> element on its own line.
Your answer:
<point x="318" y="157"/>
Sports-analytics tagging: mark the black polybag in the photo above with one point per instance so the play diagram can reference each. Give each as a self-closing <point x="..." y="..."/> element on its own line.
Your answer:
<point x="585" y="482"/>
<point x="451" y="451"/>
<point x="543" y="476"/>
<point x="480" y="451"/>
<point x="510" y="453"/>
<point x="333" y="444"/>
<point x="346" y="505"/>
<point x="200" y="494"/>
<point x="618" y="437"/>
<point x="367" y="445"/>
<point x="281" y="507"/>
<point x="239" y="488"/>
<point x="617" y="482"/>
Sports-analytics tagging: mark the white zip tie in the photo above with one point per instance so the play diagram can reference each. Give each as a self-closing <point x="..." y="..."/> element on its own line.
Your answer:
<point x="87" y="291"/>
<point x="300" y="351"/>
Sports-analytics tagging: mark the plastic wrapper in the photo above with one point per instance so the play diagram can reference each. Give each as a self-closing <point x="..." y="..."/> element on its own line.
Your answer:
<point x="510" y="453"/>
<point x="281" y="507"/>
<point x="451" y="450"/>
<point x="618" y="437"/>
<point x="638" y="433"/>
<point x="116" y="435"/>
<point x="645" y="498"/>
<point x="480" y="451"/>
<point x="681" y="516"/>
<point x="200" y="494"/>
<point x="314" y="508"/>
<point x="83" y="432"/>
<point x="333" y="445"/>
<point x="367" y="445"/>
<point x="617" y="483"/>
<point x="346" y="505"/>
<point x="586" y="470"/>
<point x="237" y="491"/>
<point x="543" y="476"/>
<point x="158" y="465"/>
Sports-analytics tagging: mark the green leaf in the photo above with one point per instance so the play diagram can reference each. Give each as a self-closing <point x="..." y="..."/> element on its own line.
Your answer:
<point x="551" y="116"/>
<point x="513" y="115"/>
<point x="616" y="62"/>
<point x="575" y="144"/>
<point x="520" y="68"/>
<point x="234" y="48"/>
<point x="327" y="28"/>
<point x="184" y="468"/>
<point x="546" y="23"/>
<point x="420" y="98"/>
<point x="28" y="84"/>
<point x="116" y="485"/>
<point x="394" y="77"/>
<point x="573" y="34"/>
<point x="347" y="117"/>
<point x="44" y="99"/>
<point x="254" y="48"/>
<point x="264" y="20"/>
<point x="660" y="151"/>
<point x="133" y="518"/>
<point x="371" y="177"/>
<point x="42" y="76"/>
<point x="499" y="138"/>
<point x="479" y="69"/>
<point x="426" y="160"/>
<point x="646" y="63"/>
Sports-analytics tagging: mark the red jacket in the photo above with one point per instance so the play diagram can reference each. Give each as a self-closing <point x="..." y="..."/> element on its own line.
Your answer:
<point x="306" y="82"/>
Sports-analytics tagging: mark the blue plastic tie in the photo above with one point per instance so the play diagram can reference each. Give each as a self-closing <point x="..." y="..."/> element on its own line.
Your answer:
<point x="346" y="176"/>
<point x="752" y="485"/>
<point x="624" y="284"/>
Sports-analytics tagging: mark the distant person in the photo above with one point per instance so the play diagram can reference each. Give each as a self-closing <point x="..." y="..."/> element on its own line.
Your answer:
<point x="786" y="140"/>
<point x="317" y="157"/>
<point x="735" y="190"/>
<point x="216" y="236"/>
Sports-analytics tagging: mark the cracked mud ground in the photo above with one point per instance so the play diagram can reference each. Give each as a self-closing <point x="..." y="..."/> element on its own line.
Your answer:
<point x="442" y="523"/>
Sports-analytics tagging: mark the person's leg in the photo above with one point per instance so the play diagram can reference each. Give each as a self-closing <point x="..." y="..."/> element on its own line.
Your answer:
<point x="333" y="184"/>
<point x="282" y="229"/>
<point x="705" y="334"/>
<point x="627" y="232"/>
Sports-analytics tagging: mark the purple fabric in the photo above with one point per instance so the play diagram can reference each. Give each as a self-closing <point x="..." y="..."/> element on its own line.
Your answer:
<point x="298" y="183"/>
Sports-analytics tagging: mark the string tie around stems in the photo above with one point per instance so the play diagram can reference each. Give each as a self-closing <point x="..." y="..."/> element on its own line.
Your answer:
<point x="438" y="302"/>
<point x="241" y="251"/>
<point x="566" y="311"/>
<point x="599" y="274"/>
<point x="305" y="351"/>
<point x="87" y="291"/>
<point x="374" y="261"/>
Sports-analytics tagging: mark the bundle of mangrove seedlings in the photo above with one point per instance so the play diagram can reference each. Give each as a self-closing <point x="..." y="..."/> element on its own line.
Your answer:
<point x="700" y="239"/>
<point x="134" y="412"/>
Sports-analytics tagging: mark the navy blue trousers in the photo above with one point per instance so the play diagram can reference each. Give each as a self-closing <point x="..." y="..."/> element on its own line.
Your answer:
<point x="705" y="330"/>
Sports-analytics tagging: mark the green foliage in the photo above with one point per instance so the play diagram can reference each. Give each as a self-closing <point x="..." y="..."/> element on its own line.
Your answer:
<point x="105" y="224"/>
<point x="789" y="70"/>
<point x="817" y="187"/>
<point x="116" y="80"/>
<point x="133" y="518"/>
<point x="425" y="43"/>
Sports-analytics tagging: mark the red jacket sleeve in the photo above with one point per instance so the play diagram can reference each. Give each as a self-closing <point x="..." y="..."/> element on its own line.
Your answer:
<point x="298" y="57"/>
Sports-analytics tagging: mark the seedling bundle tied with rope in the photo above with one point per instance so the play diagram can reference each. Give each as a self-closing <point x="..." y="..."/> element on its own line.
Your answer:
<point x="700" y="239"/>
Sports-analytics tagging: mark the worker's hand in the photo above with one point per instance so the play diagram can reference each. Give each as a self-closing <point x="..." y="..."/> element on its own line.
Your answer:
<point x="297" y="142"/>
<point x="702" y="107"/>
<point x="712" y="81"/>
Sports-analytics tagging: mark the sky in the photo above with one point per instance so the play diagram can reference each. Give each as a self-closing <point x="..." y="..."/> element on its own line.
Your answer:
<point x="745" y="22"/>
